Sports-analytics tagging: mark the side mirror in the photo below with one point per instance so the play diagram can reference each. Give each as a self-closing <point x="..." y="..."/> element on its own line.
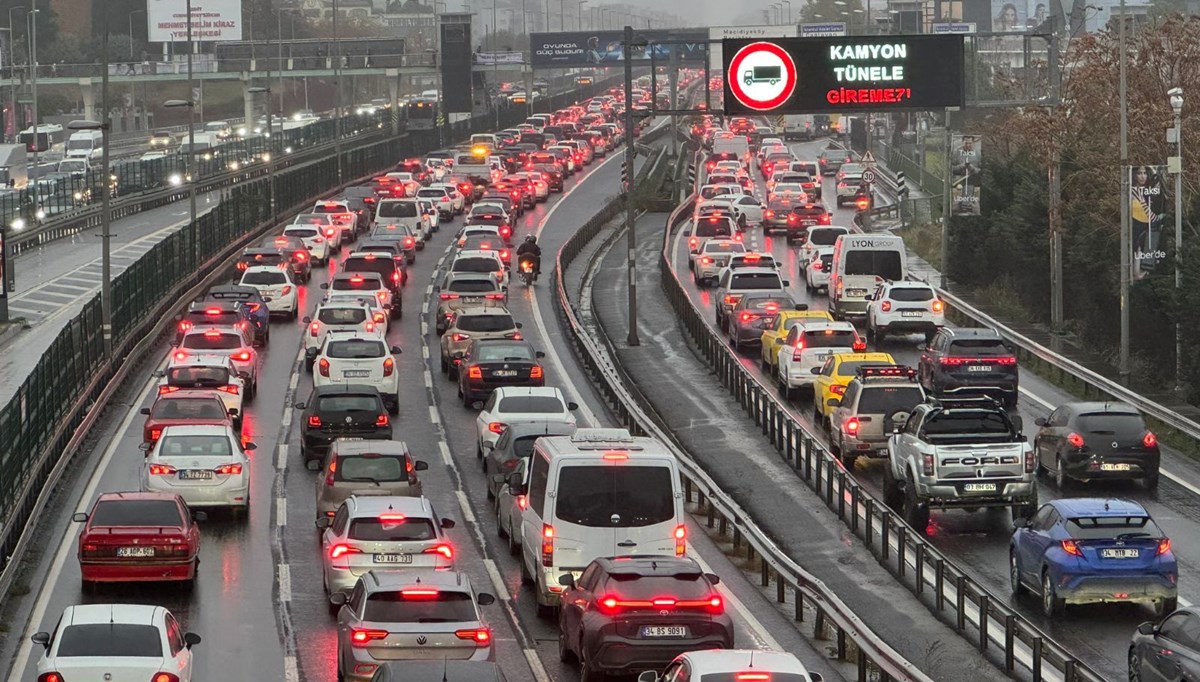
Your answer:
<point x="324" y="522"/>
<point x="159" y="373"/>
<point x="713" y="578"/>
<point x="519" y="325"/>
<point x="301" y="406"/>
<point x="306" y="319"/>
<point x="145" y="447"/>
<point x="42" y="638"/>
<point x="787" y="283"/>
<point x="447" y="524"/>
<point x="324" y="285"/>
<point x="1146" y="628"/>
<point x="79" y="517"/>
<point x="815" y="677"/>
<point x="1040" y="421"/>
<point x="834" y="402"/>
<point x="233" y="412"/>
<point x="337" y="598"/>
<point x="487" y="445"/>
<point x="567" y="580"/>
<point x="191" y="639"/>
<point x="815" y="370"/>
<point x="145" y="411"/>
<point x="200" y="516"/>
<point x="420" y="465"/>
<point x="539" y="355"/>
<point x="244" y="375"/>
<point x="572" y="406"/>
<point x="485" y="599"/>
<point x="396" y="350"/>
<point x="310" y="353"/>
<point x="477" y="405"/>
<point x="250" y="446"/>
<point x="648" y="676"/>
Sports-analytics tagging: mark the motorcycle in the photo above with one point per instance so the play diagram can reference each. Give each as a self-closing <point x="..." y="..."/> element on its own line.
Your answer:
<point x="528" y="270"/>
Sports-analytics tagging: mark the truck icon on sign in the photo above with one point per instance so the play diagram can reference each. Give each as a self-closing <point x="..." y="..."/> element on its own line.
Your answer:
<point x="762" y="74"/>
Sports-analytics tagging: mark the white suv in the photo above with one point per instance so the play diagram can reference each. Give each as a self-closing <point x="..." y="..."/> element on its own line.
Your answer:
<point x="904" y="308"/>
<point x="341" y="317"/>
<point x="353" y="358"/>
<point x="318" y="247"/>
<point x="713" y="257"/>
<point x="276" y="287"/>
<point x="806" y="347"/>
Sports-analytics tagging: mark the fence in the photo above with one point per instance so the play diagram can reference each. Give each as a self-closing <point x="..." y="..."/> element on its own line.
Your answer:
<point x="56" y="406"/>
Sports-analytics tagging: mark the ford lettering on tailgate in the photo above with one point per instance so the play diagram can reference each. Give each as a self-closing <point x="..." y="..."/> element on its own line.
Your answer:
<point x="986" y="460"/>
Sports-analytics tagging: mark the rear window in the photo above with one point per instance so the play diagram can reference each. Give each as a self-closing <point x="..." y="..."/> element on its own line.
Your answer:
<point x="824" y="237"/>
<point x="312" y="219"/>
<point x="110" y="639"/>
<point x="348" y="403"/>
<point x="446" y="607"/>
<point x="1111" y="423"/>
<point x="342" y="315"/>
<point x="197" y="377"/>
<point x="755" y="280"/>
<point x="301" y="232"/>
<point x="476" y="264"/>
<point x="383" y="265"/>
<point x="523" y="446"/>
<point x="631" y="496"/>
<point x="485" y="323"/>
<point x="720" y="227"/>
<point x="136" y="513"/>
<point x="983" y="347"/>
<point x="264" y="277"/>
<point x="756" y="260"/>
<point x="733" y="677"/>
<point x="348" y="284"/>
<point x="724" y="247"/>
<point x="500" y="352"/>
<point x="218" y="317"/>
<point x="911" y="294"/>
<point x="397" y="209"/>
<point x="195" y="446"/>
<point x="888" y="399"/>
<point x="683" y="586"/>
<point x="472" y="286"/>
<point x="1105" y="527"/>
<point x="955" y="423"/>
<point x="431" y="193"/>
<point x="531" y="404"/>
<point x="391" y="530"/>
<point x="212" y="341"/>
<point x="334" y="208"/>
<point x="829" y="338"/>
<point x="354" y="349"/>
<point x="884" y="264"/>
<point x="188" y="408"/>
<point x="368" y="468"/>
<point x="772" y="304"/>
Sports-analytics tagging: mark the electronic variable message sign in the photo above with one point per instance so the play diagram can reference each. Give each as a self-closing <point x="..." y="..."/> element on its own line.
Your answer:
<point x="817" y="75"/>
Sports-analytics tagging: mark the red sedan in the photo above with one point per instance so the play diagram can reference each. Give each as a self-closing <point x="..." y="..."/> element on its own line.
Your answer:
<point x="139" y="537"/>
<point x="188" y="407"/>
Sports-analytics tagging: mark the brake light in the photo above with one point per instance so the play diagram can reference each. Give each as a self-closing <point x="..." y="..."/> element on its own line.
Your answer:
<point x="859" y="345"/>
<point x="1149" y="440"/>
<point x="818" y="266"/>
<point x="323" y="367"/>
<point x="680" y="539"/>
<point x="1075" y="440"/>
<point x="165" y="677"/>
<point x="244" y="356"/>
<point x="731" y="299"/>
<point x="459" y="336"/>
<point x="886" y="306"/>
<point x="301" y="256"/>
<point x="1164" y="546"/>
<point x="229" y="469"/>
<point x="443" y="550"/>
<point x="494" y="297"/>
<point x="850" y="426"/>
<point x="228" y="388"/>
<point x="360" y="637"/>
<point x="381" y="295"/>
<point x="938" y="306"/>
<point x="389" y="366"/>
<point x="481" y="636"/>
<point x="378" y="317"/>
<point x="161" y="470"/>
<point x="692" y="242"/>
<point x="837" y="390"/>
<point x="927" y="464"/>
<point x="535" y="372"/>
<point x="547" y="544"/>
<point x="409" y="241"/>
<point x="497" y="427"/>
<point x="184" y="326"/>
<point x="475" y="373"/>
<point x="1070" y="547"/>
<point x="522" y="501"/>
<point x="448" y="297"/>
<point x="213" y="333"/>
<point x="163" y="390"/>
<point x="314" y="421"/>
<point x="50" y="677"/>
<point x="753" y="677"/>
<point x="746" y="317"/>
<point x="381" y="420"/>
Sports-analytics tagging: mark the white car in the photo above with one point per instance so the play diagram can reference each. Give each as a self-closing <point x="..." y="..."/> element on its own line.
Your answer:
<point x="819" y="237"/>
<point x="474" y="260"/>
<point x="509" y="404"/>
<point x="216" y="373"/>
<point x="816" y="268"/>
<point x="734" y="664"/>
<point x="326" y="224"/>
<point x="350" y="316"/>
<point x="746" y="206"/>
<point x="807" y="345"/>
<point x="205" y="465"/>
<point x="91" y="641"/>
<point x="342" y="215"/>
<point x="541" y="188"/>
<point x="276" y="287"/>
<point x="792" y="190"/>
<point x="904" y="308"/>
<point x="153" y="156"/>
<point x="231" y="342"/>
<point x="314" y="241"/>
<point x="351" y="358"/>
<point x="360" y="284"/>
<point x="714" y="256"/>
<point x="444" y="196"/>
<point x="433" y="221"/>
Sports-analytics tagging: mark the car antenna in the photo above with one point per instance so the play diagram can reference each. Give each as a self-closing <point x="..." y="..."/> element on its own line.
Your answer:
<point x="445" y="669"/>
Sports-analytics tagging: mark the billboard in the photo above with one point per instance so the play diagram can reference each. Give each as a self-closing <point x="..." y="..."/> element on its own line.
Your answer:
<point x="494" y="58"/>
<point x="212" y="20"/>
<point x="966" y="150"/>
<point x="820" y="75"/>
<point x="1148" y="216"/>
<point x="770" y="31"/>
<point x="606" y="48"/>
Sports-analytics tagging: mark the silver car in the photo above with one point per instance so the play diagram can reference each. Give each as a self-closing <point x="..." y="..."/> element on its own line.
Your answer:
<point x="418" y="615"/>
<point x="514" y="444"/>
<point x="509" y="506"/>
<point x="205" y="465"/>
<point x="366" y="468"/>
<point x="382" y="533"/>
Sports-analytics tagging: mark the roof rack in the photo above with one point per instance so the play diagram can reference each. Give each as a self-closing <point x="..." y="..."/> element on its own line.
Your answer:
<point x="885" y="372"/>
<point x="965" y="401"/>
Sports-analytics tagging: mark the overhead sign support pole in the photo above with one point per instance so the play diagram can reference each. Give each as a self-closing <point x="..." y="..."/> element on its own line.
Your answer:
<point x="632" y="340"/>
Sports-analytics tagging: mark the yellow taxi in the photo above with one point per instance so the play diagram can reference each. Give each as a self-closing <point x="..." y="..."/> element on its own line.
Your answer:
<point x="835" y="375"/>
<point x="778" y="328"/>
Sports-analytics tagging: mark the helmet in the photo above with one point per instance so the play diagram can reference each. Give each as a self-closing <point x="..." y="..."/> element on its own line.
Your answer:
<point x="531" y="239"/>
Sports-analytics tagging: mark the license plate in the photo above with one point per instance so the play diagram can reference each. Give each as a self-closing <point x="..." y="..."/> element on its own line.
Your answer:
<point x="807" y="223"/>
<point x="472" y="299"/>
<point x="1119" y="553"/>
<point x="135" y="552"/>
<point x="1115" y="467"/>
<point x="505" y="373"/>
<point x="664" y="631"/>
<point x="856" y="292"/>
<point x="350" y="373"/>
<point x="910" y="313"/>
<point x="979" y="368"/>
<point x="195" y="475"/>
<point x="393" y="558"/>
<point x="979" y="487"/>
<point x="822" y="356"/>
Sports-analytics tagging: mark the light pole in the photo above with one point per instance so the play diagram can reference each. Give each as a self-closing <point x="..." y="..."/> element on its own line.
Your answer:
<point x="337" y="79"/>
<point x="270" y="145"/>
<point x="579" y="14"/>
<point x="136" y="11"/>
<point x="789" y="6"/>
<point x="12" y="72"/>
<point x="1126" y="233"/>
<point x="189" y="169"/>
<point x="1175" y="165"/>
<point x="777" y="17"/>
<point x="562" y="15"/>
<point x="31" y="20"/>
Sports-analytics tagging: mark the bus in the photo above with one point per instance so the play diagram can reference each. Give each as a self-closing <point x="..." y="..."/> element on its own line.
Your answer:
<point x="422" y="114"/>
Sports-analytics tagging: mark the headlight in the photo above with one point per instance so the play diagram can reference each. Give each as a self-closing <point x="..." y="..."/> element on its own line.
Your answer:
<point x="175" y="179"/>
<point x="18" y="224"/>
<point x="40" y="214"/>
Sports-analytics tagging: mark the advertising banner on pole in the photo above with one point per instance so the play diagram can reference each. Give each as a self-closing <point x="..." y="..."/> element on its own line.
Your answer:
<point x="966" y="28"/>
<point x="1148" y="213"/>
<point x="212" y="20"/>
<point x="965" y="152"/>
<point x="496" y="58"/>
<point x="606" y="48"/>
<point x="820" y="75"/>
<point x="734" y="32"/>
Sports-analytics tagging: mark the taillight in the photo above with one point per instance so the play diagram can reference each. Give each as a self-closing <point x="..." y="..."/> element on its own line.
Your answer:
<point x="746" y="317"/>
<point x="162" y="470"/>
<point x="444" y="550"/>
<point x="448" y="297"/>
<point x="409" y="242"/>
<point x="323" y="367"/>
<point x="314" y="329"/>
<point x="360" y="637"/>
<point x="497" y="427"/>
<point x="680" y="539"/>
<point x="381" y="420"/>
<point x="938" y="306"/>
<point x="886" y="306"/>
<point x="1030" y="461"/>
<point x="547" y="545"/>
<point x="396" y="277"/>
<point x="389" y="366"/>
<point x="314" y="421"/>
<point x="184" y="326"/>
<point x="481" y="636"/>
<point x="154" y="434"/>
<point x="243" y="356"/>
<point x="228" y="388"/>
<point x="165" y="677"/>
<point x="459" y="336"/>
<point x="329" y="476"/>
<point x="475" y="373"/>
<point x="229" y="469"/>
<point x="522" y="502"/>
<point x="1164" y="546"/>
<point x="536" y="372"/>
<point x="927" y="464"/>
<point x="818" y="266"/>
<point x="1149" y="440"/>
<point x="692" y="242"/>
<point x="163" y="390"/>
<point x="859" y="345"/>
<point x="1075" y="440"/>
<point x="1070" y="547"/>
<point x="50" y="677"/>
<point x="339" y="551"/>
<point x="379" y="317"/>
<point x="837" y="390"/>
<point x="850" y="426"/>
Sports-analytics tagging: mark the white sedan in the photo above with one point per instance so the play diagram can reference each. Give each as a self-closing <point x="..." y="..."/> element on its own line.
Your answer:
<point x="276" y="287"/>
<point x="205" y="465"/>
<point x="510" y="404"/>
<point x="746" y="206"/>
<point x="92" y="640"/>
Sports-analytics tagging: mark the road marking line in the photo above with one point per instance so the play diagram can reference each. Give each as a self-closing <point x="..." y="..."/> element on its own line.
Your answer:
<point x="425" y="351"/>
<point x="425" y="330"/>
<point x="285" y="583"/>
<point x="281" y="458"/>
<point x="429" y="290"/>
<point x="433" y="414"/>
<point x="535" y="665"/>
<point x="300" y="353"/>
<point x="68" y="541"/>
<point x="295" y="380"/>
<point x="281" y="511"/>
<point x="497" y="580"/>
<point x="291" y="672"/>
<point x="428" y="379"/>
<point x="445" y="452"/>
<point x="759" y="630"/>
<point x="287" y="418"/>
<point x="465" y="505"/>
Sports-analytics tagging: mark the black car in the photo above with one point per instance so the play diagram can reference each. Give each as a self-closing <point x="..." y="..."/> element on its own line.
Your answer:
<point x="292" y="248"/>
<point x="489" y="364"/>
<point x="969" y="361"/>
<point x="251" y="298"/>
<point x="1168" y="649"/>
<point x="260" y="255"/>
<point x="362" y="201"/>
<point x="221" y="314"/>
<point x="363" y="260"/>
<point x="804" y="216"/>
<point x="439" y="671"/>
<point x="552" y="173"/>
<point x="346" y="411"/>
<point x="399" y="255"/>
<point x="1096" y="441"/>
<point x="831" y="160"/>
<point x="628" y="614"/>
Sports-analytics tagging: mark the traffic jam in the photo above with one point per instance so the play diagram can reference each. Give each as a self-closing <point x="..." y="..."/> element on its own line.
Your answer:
<point x="593" y="516"/>
<point x="924" y="411"/>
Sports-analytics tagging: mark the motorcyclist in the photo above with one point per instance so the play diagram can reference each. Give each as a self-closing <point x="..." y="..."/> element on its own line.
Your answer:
<point x="529" y="250"/>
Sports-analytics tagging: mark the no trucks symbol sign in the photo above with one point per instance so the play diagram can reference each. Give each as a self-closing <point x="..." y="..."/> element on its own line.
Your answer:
<point x="762" y="75"/>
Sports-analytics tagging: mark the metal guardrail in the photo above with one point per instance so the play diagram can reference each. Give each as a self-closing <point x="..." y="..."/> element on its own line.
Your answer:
<point x="855" y="642"/>
<point x="985" y="619"/>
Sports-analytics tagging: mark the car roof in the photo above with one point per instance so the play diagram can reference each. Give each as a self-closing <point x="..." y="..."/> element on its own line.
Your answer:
<point x="469" y="275"/>
<point x="86" y="614"/>
<point x="374" y="505"/>
<point x="449" y="581"/>
<point x="203" y="359"/>
<point x="735" y="660"/>
<point x="334" y="389"/>
<point x="819" y="323"/>
<point x="649" y="564"/>
<point x="755" y="270"/>
<point x="265" y="268"/>
<point x="482" y="310"/>
<point x="1097" y="406"/>
<point x="1098" y="506"/>
<point x="135" y="496"/>
<point x="511" y="391"/>
<point x="972" y="333"/>
<point x="346" y="446"/>
<point x="906" y="284"/>
<point x="477" y="253"/>
<point x="839" y="358"/>
<point x="222" y="328"/>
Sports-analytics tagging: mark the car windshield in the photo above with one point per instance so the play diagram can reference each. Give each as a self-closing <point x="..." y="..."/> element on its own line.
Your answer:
<point x="476" y="264"/>
<point x="370" y="467"/>
<point x="829" y="338"/>
<point x="136" y="513"/>
<point x="755" y="280"/>
<point x="886" y="400"/>
<point x="441" y="607"/>
<point x="195" y="446"/>
<point x="968" y="425"/>
<point x="107" y="640"/>
<point x="978" y="347"/>
<point x="301" y="232"/>
<point x="355" y="349"/>
<point x="472" y="286"/>
<point x="397" y="209"/>
<point x="347" y="403"/>
<point x="884" y="264"/>
<point x="714" y="227"/>
<point x="264" y="277"/>
<point x="824" y="237"/>
<point x="607" y="496"/>
<point x="388" y="528"/>
<point x="500" y="352"/>
<point x="911" y="294"/>
<point x="207" y="341"/>
<point x="1111" y="423"/>
<point x="342" y="316"/>
<point x="768" y="304"/>
<point x="485" y="323"/>
<point x="531" y="404"/>
<point x="188" y="408"/>
<point x="1112" y="527"/>
<point x="198" y="377"/>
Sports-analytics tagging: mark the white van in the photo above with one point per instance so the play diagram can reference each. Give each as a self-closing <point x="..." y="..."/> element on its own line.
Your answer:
<point x="86" y="144"/>
<point x="735" y="144"/>
<point x="860" y="262"/>
<point x="598" y="493"/>
<point x="400" y="212"/>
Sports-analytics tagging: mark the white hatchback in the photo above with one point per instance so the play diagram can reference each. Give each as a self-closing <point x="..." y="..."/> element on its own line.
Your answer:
<point x="351" y="358"/>
<point x="90" y="641"/>
<point x="205" y="465"/>
<point x="276" y="287"/>
<point x="509" y="404"/>
<point x="318" y="246"/>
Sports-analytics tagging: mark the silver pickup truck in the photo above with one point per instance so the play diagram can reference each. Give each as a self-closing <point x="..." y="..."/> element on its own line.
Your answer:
<point x="959" y="454"/>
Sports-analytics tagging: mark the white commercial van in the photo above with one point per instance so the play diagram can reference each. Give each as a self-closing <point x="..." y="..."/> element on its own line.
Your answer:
<point x="860" y="262"/>
<point x="598" y="493"/>
<point x="735" y="144"/>
<point x="86" y="144"/>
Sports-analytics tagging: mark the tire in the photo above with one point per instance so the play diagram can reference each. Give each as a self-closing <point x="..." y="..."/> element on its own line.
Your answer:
<point x="394" y="405"/>
<point x="879" y="336"/>
<point x="564" y="652"/>
<point x="452" y="372"/>
<point x="514" y="547"/>
<point x="547" y="612"/>
<point x="586" y="673"/>
<point x="1014" y="579"/>
<point x="500" y="531"/>
<point x="1135" y="664"/>
<point x="1061" y="480"/>
<point x="445" y="365"/>
<point x="1052" y="605"/>
<point x="916" y="513"/>
<point x="1164" y="607"/>
<point x="1150" y="482"/>
<point x="526" y="579"/>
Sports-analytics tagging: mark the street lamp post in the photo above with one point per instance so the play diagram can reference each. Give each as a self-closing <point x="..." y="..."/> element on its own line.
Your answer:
<point x="789" y="7"/>
<point x="337" y="79"/>
<point x="1175" y="165"/>
<point x="12" y="72"/>
<point x="133" y="84"/>
<point x="31" y="19"/>
<point x="270" y="146"/>
<point x="189" y="168"/>
<point x="1126" y="232"/>
<point x="579" y="14"/>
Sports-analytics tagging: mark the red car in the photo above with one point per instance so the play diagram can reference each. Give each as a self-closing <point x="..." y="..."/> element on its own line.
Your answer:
<point x="200" y="408"/>
<point x="139" y="537"/>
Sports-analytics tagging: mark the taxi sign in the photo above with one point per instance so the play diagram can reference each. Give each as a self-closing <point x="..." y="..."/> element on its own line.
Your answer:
<point x="762" y="75"/>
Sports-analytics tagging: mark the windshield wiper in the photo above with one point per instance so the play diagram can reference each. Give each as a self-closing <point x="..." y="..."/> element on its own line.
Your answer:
<point x="362" y="479"/>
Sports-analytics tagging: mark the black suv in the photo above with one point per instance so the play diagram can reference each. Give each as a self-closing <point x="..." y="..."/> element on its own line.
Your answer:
<point x="348" y="411"/>
<point x="363" y="260"/>
<point x="220" y="314"/>
<point x="969" y="362"/>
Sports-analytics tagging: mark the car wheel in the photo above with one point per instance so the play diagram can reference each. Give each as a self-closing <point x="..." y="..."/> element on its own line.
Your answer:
<point x="916" y="513"/>
<point x="1014" y="575"/>
<point x="394" y="404"/>
<point x="1061" y="480"/>
<point x="1135" y="666"/>
<point x="452" y="372"/>
<point x="1164" y="607"/>
<point x="87" y="586"/>
<point x="564" y="650"/>
<point x="1051" y="605"/>
<point x="893" y="496"/>
<point x="1151" y="480"/>
<point x="586" y="673"/>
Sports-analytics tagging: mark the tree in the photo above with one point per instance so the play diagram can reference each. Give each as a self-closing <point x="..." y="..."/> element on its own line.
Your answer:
<point x="830" y="10"/>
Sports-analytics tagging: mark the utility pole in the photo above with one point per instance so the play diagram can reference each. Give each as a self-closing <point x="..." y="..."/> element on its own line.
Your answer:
<point x="1056" y="241"/>
<point x="337" y="79"/>
<point x="32" y="15"/>
<point x="673" y="83"/>
<point x="1175" y="165"/>
<point x="946" y="203"/>
<point x="632" y="340"/>
<point x="1126" y="234"/>
<point x="105" y="212"/>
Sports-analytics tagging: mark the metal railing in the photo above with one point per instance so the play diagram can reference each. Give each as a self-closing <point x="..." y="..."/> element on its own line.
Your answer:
<point x="855" y="642"/>
<point x="982" y="617"/>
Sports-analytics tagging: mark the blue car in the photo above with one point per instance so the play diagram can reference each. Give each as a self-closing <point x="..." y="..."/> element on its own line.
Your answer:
<point x="1093" y="550"/>
<point x="255" y="304"/>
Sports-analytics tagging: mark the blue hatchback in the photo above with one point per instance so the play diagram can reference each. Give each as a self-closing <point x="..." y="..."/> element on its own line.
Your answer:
<point x="1092" y="550"/>
<point x="255" y="304"/>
